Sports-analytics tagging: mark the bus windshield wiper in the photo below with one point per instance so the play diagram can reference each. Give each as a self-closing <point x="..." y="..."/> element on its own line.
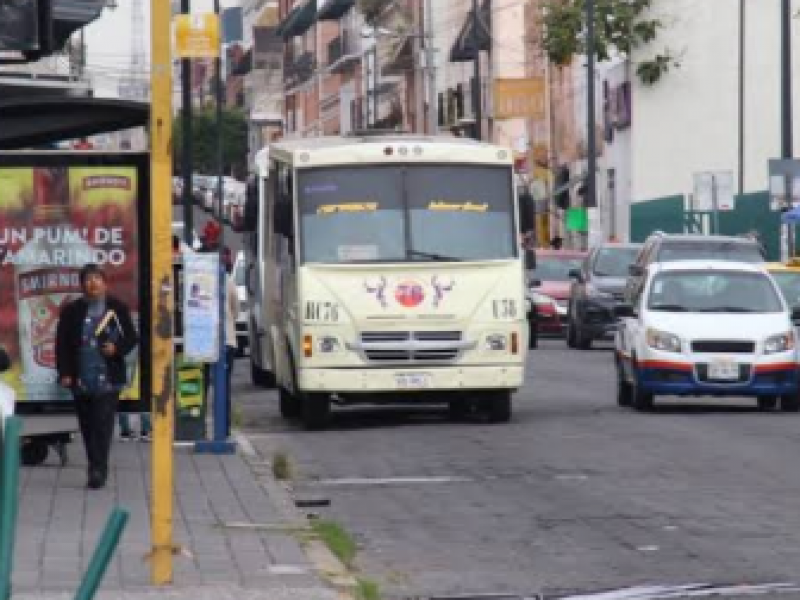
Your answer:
<point x="727" y="309"/>
<point x="434" y="256"/>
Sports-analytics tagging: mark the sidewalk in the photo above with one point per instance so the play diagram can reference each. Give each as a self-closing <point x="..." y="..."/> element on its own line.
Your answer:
<point x="232" y="522"/>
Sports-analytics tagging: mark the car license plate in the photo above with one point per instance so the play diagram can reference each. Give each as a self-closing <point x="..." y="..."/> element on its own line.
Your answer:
<point x="723" y="370"/>
<point x="413" y="381"/>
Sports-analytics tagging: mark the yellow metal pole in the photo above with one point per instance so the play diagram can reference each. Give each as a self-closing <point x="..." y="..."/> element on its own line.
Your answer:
<point x="162" y="299"/>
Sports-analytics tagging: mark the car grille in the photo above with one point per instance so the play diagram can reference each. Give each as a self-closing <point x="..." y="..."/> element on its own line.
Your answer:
<point x="411" y="346"/>
<point x="744" y="375"/>
<point x="724" y="346"/>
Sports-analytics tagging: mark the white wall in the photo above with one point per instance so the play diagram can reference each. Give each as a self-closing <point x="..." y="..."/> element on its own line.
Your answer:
<point x="688" y="121"/>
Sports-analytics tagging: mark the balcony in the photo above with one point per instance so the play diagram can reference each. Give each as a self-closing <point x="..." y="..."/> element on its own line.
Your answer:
<point x="297" y="72"/>
<point x="343" y="50"/>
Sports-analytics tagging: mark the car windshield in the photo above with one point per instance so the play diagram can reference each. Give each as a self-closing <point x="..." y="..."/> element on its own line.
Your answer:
<point x="713" y="292"/>
<point x="406" y="213"/>
<point x="739" y="251"/>
<point x="614" y="261"/>
<point x="789" y="284"/>
<point x="556" y="268"/>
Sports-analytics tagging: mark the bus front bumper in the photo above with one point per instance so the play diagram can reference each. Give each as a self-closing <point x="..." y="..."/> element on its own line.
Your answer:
<point x="412" y="378"/>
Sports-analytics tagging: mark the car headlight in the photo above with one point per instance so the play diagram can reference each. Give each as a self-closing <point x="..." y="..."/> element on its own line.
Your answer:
<point x="541" y="300"/>
<point x="779" y="343"/>
<point x="497" y="342"/>
<point x="661" y="340"/>
<point x="327" y="344"/>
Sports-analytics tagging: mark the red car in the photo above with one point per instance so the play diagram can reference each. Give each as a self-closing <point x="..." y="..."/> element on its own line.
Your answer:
<point x="549" y="288"/>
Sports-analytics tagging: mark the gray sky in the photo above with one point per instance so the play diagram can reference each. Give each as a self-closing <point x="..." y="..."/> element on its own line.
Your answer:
<point x="108" y="42"/>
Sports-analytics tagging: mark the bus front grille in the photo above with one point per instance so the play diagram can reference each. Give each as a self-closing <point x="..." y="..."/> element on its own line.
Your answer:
<point x="391" y="347"/>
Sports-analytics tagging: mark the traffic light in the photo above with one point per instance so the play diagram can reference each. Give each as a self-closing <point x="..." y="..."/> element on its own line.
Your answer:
<point x="562" y="187"/>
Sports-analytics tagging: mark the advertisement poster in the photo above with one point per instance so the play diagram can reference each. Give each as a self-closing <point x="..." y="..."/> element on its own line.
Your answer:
<point x="201" y="307"/>
<point x="53" y="221"/>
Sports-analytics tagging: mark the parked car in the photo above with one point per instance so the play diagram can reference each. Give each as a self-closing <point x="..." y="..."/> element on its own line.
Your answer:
<point x="548" y="290"/>
<point x="243" y="322"/>
<point x="664" y="247"/>
<point x="597" y="287"/>
<point x="707" y="328"/>
<point x="787" y="276"/>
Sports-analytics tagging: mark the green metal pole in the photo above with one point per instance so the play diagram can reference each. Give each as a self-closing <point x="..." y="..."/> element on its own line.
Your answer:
<point x="9" y="501"/>
<point x="102" y="554"/>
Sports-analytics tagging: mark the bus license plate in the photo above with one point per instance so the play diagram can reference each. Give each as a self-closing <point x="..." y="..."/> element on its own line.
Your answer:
<point x="413" y="381"/>
<point x="723" y="370"/>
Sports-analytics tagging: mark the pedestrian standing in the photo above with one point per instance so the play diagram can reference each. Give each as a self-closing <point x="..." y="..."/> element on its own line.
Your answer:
<point x="95" y="332"/>
<point x="231" y="316"/>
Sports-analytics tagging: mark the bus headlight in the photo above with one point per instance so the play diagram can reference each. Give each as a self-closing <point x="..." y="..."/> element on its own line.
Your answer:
<point x="497" y="342"/>
<point x="327" y="344"/>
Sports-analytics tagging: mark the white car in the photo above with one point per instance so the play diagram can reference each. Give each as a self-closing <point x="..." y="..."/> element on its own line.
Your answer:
<point x="243" y="322"/>
<point x="707" y="328"/>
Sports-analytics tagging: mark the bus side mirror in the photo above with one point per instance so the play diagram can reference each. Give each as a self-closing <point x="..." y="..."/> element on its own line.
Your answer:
<point x="5" y="360"/>
<point x="795" y="316"/>
<point x="249" y="221"/>
<point x="530" y="259"/>
<point x="527" y="217"/>
<point x="284" y="224"/>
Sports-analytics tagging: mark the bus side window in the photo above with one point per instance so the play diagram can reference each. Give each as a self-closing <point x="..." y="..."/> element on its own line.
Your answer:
<point x="284" y="223"/>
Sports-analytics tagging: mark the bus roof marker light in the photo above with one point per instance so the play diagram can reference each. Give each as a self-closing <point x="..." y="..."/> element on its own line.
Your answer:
<point x="501" y="154"/>
<point x="402" y="150"/>
<point x="418" y="150"/>
<point x="388" y="151"/>
<point x="304" y="157"/>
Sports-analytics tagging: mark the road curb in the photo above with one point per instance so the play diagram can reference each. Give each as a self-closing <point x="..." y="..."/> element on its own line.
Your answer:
<point x="324" y="562"/>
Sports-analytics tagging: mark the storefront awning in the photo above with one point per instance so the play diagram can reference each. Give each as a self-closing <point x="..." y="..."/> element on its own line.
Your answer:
<point x="27" y="123"/>
<point x="463" y="49"/>
<point x="332" y="10"/>
<point x="299" y="20"/>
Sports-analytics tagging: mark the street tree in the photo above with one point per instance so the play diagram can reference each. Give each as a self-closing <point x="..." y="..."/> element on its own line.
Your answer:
<point x="204" y="141"/>
<point x="620" y="27"/>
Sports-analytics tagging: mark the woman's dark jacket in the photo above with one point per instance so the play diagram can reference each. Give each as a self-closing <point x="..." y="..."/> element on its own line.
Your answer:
<point x="68" y="339"/>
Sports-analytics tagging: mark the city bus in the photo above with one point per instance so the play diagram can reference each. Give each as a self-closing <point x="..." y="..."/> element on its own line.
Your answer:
<point x="385" y="269"/>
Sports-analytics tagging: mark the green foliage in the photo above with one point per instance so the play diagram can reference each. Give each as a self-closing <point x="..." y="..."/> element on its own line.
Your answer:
<point x="367" y="590"/>
<point x="337" y="540"/>
<point x="204" y="141"/>
<point x="281" y="467"/>
<point x="620" y="26"/>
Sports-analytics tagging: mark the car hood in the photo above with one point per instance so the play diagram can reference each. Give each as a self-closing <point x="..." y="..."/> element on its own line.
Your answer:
<point x="706" y="326"/>
<point x="612" y="285"/>
<point x="558" y="290"/>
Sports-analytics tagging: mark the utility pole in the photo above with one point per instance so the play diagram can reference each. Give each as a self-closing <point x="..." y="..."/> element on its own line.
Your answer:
<point x="786" y="103"/>
<point x="419" y="70"/>
<point x="430" y="63"/>
<point x="786" y="79"/>
<point x="590" y="200"/>
<point x="742" y="72"/>
<point x="186" y="141"/>
<point x="477" y="95"/>
<point x="161" y="295"/>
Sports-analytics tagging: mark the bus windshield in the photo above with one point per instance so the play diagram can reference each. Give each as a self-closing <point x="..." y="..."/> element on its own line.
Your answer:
<point x="406" y="213"/>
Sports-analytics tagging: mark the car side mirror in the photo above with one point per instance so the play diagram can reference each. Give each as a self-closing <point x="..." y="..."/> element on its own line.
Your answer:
<point x="576" y="275"/>
<point x="623" y="311"/>
<point x="5" y="360"/>
<point x="530" y="259"/>
<point x="795" y="316"/>
<point x="534" y="283"/>
<point x="636" y="270"/>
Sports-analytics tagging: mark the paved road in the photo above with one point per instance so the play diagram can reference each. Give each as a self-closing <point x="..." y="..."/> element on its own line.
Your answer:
<point x="575" y="495"/>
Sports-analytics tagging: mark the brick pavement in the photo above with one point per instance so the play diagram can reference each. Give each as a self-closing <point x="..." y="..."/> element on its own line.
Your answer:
<point x="230" y="521"/>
